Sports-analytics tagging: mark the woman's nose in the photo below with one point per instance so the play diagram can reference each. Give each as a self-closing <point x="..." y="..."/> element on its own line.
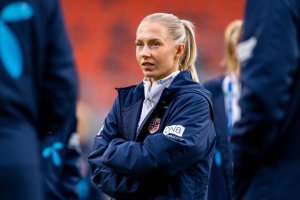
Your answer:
<point x="145" y="52"/>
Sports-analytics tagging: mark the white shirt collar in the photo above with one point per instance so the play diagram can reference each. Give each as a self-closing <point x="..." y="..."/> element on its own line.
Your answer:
<point x="153" y="92"/>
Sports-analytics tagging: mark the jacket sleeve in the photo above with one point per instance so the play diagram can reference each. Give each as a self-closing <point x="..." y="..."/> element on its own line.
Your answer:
<point x="71" y="174"/>
<point x="268" y="53"/>
<point x="165" y="154"/>
<point x="61" y="161"/>
<point x="60" y="80"/>
<point x="109" y="180"/>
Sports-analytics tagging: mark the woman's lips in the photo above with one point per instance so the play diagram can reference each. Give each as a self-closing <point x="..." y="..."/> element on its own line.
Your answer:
<point x="147" y="65"/>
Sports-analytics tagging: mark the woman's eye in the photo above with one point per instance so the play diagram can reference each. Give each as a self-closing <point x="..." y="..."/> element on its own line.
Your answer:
<point x="138" y="44"/>
<point x="155" y="44"/>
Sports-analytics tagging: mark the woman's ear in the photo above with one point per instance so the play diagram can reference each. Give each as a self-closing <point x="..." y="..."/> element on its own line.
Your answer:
<point x="180" y="51"/>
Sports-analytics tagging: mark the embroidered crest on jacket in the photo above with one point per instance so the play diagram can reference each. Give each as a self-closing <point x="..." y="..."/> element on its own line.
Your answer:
<point x="154" y="125"/>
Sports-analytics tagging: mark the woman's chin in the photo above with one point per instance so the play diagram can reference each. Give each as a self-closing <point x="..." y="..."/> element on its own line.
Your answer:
<point x="149" y="74"/>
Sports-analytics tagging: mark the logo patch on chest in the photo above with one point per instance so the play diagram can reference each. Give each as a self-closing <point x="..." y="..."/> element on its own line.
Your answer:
<point x="154" y="125"/>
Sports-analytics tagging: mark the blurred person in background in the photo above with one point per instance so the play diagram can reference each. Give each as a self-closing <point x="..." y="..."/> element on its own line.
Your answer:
<point x="266" y="150"/>
<point x="87" y="125"/>
<point x="38" y="90"/>
<point x="225" y="93"/>
<point x="158" y="139"/>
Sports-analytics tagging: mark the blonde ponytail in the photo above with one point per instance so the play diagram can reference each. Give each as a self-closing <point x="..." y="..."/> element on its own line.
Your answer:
<point x="189" y="56"/>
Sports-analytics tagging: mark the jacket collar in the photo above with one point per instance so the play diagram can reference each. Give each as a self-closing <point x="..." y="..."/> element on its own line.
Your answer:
<point x="182" y="83"/>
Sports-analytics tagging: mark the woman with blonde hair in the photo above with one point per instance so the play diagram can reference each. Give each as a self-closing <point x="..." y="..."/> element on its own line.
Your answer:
<point x="225" y="93"/>
<point x="232" y="36"/>
<point x="158" y="139"/>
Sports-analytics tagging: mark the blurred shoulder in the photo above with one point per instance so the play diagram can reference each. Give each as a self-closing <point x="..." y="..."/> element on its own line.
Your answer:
<point x="214" y="83"/>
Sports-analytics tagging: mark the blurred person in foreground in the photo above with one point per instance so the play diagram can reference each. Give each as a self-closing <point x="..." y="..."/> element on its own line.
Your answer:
<point x="225" y="92"/>
<point x="266" y="139"/>
<point x="158" y="139"/>
<point x="61" y="159"/>
<point x="38" y="88"/>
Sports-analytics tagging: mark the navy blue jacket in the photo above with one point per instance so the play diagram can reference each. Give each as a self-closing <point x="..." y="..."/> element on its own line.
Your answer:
<point x="266" y="139"/>
<point x="38" y="84"/>
<point x="172" y="162"/>
<point x="61" y="161"/>
<point x="220" y="184"/>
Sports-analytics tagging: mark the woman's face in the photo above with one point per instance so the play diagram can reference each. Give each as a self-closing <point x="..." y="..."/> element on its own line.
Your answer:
<point x="156" y="51"/>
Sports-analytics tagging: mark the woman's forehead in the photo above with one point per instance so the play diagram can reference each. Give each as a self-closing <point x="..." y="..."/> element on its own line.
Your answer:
<point x="150" y="30"/>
